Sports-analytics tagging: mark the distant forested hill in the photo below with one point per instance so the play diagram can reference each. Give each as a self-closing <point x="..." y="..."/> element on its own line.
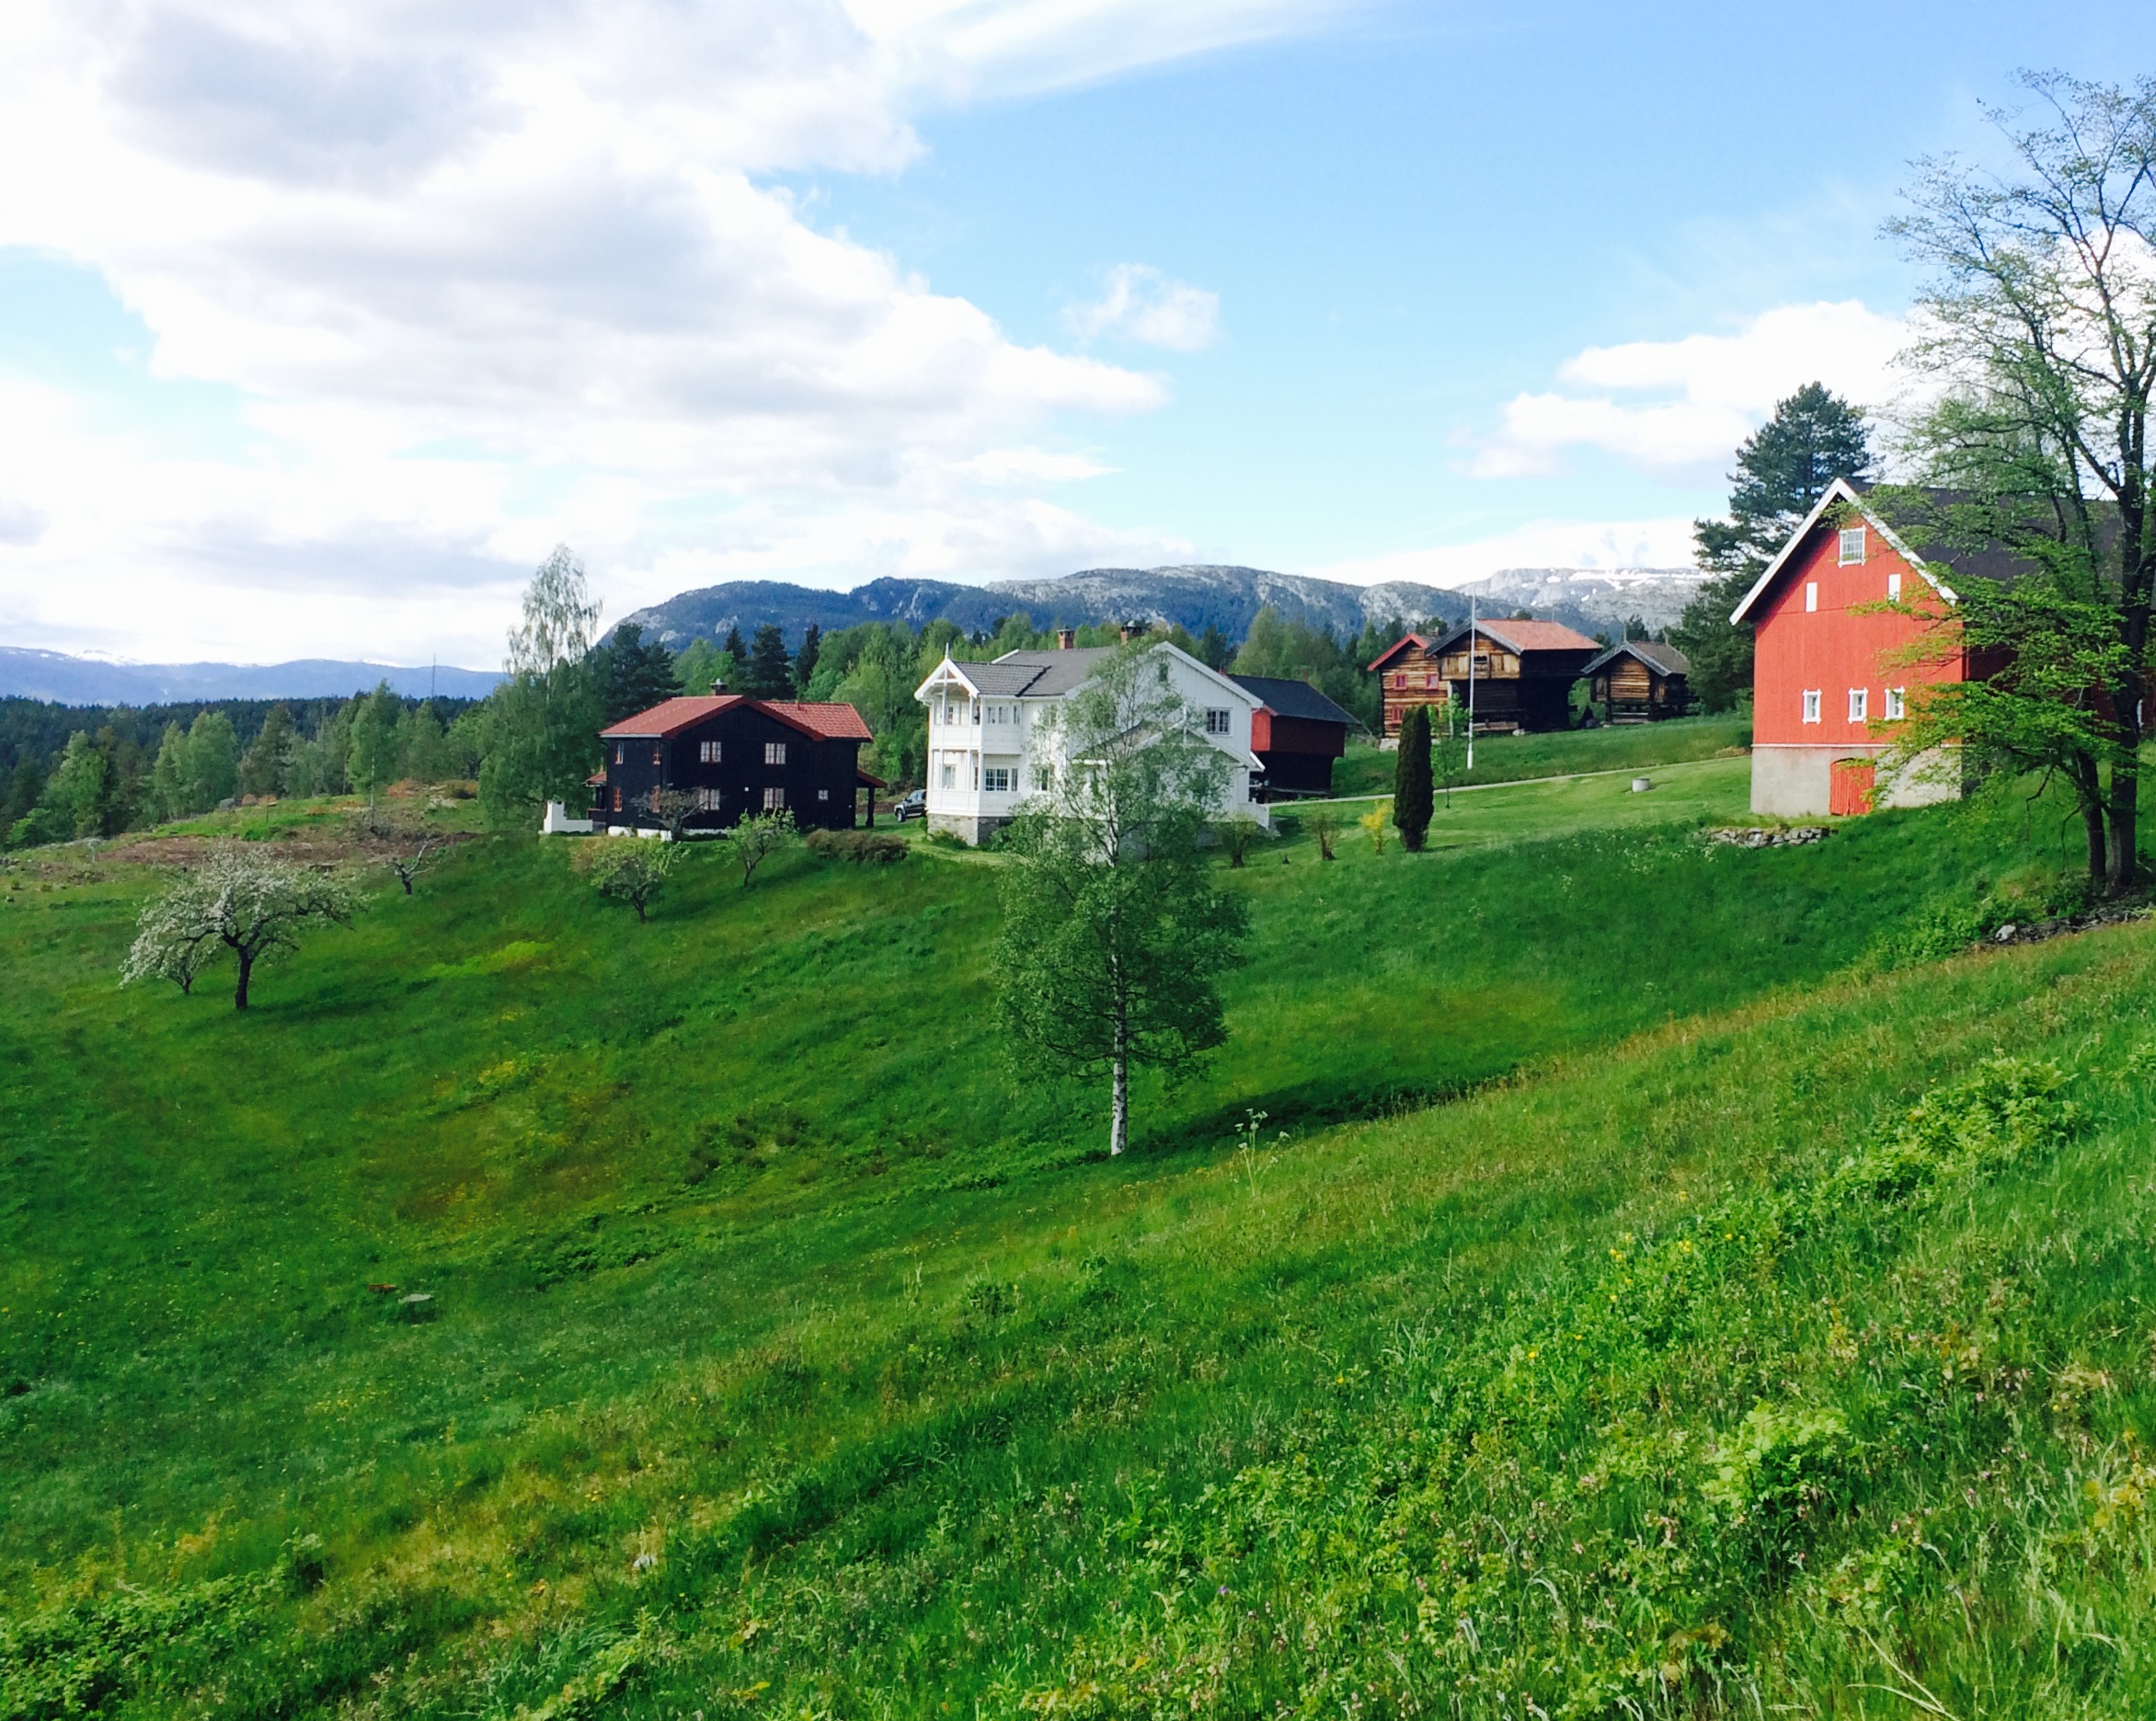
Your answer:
<point x="60" y="678"/>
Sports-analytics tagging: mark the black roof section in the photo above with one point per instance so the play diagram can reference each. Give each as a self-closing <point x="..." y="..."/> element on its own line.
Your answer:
<point x="1293" y="699"/>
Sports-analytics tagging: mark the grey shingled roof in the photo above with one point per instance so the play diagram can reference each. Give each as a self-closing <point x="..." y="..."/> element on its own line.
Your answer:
<point x="1663" y="659"/>
<point x="999" y="677"/>
<point x="1293" y="699"/>
<point x="1047" y="674"/>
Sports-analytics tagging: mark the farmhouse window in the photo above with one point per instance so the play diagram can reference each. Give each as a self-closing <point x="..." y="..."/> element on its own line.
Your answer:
<point x="950" y="777"/>
<point x="1860" y="699"/>
<point x="774" y="799"/>
<point x="1216" y="720"/>
<point x="1852" y="545"/>
<point x="1043" y="778"/>
<point x="707" y="800"/>
<point x="617" y="800"/>
<point x="707" y="752"/>
<point x="823" y="795"/>
<point x="1896" y="704"/>
<point x="996" y="780"/>
<point x="617" y="753"/>
<point x="658" y="752"/>
<point x="1399" y="681"/>
<point x="1811" y="704"/>
<point x="774" y="752"/>
<point x="1811" y="596"/>
<point x="1893" y="586"/>
<point x="1482" y="663"/>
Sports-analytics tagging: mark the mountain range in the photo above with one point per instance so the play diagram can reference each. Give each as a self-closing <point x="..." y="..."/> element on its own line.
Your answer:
<point x="1194" y="598"/>
<point x="70" y="681"/>
<point x="1592" y="600"/>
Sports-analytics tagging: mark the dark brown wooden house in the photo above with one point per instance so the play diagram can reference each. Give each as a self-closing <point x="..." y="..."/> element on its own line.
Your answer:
<point x="736" y="756"/>
<point x="1296" y="733"/>
<point x="1523" y="673"/>
<point x="1640" y="681"/>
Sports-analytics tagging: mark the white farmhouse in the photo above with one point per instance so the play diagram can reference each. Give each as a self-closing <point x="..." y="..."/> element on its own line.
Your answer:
<point x="988" y="750"/>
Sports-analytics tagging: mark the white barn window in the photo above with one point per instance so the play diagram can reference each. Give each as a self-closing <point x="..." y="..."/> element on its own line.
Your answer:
<point x="1896" y="704"/>
<point x="1860" y="699"/>
<point x="1893" y="586"/>
<point x="1811" y="596"/>
<point x="1852" y="545"/>
<point x="1811" y="704"/>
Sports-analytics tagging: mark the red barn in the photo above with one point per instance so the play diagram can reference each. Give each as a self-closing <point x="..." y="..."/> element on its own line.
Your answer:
<point x="1825" y="697"/>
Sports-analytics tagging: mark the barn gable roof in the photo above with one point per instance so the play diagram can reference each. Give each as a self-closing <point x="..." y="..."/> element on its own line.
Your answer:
<point x="1842" y="493"/>
<point x="1662" y="658"/>
<point x="1397" y="647"/>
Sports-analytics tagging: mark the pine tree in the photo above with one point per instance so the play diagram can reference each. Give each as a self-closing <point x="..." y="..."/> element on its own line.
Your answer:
<point x="637" y="674"/>
<point x="1412" y="787"/>
<point x="263" y="768"/>
<point x="1782" y="471"/>
<point x="805" y="664"/>
<point x="769" y="673"/>
<point x="734" y="648"/>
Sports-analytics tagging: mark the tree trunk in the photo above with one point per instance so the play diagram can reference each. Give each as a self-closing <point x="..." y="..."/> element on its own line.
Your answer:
<point x="246" y="967"/>
<point x="1119" y="1101"/>
<point x="2121" y="863"/>
<point x="2099" y="856"/>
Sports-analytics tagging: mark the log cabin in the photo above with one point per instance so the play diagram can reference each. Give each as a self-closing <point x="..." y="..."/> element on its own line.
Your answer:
<point x="1296" y="733"/>
<point x="737" y="756"/>
<point x="1640" y="681"/>
<point x="1522" y="672"/>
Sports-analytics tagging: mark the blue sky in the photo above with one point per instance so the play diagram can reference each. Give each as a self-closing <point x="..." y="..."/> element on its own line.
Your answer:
<point x="316" y="333"/>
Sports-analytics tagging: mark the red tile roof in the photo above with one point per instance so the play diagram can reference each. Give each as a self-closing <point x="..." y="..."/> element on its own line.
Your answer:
<point x="670" y="716"/>
<point x="1536" y="635"/>
<point x="825" y="722"/>
<point x="835" y="721"/>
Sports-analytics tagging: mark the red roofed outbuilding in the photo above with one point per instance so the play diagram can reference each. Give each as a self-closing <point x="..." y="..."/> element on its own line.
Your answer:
<point x="1826" y="690"/>
<point x="736" y="756"/>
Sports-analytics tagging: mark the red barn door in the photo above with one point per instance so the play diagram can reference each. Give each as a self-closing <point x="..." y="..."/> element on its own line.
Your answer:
<point x="1852" y="790"/>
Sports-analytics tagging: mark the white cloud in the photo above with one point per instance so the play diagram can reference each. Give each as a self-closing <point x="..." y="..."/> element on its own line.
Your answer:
<point x="1139" y="303"/>
<point x="1610" y="545"/>
<point x="483" y="278"/>
<point x="1709" y="391"/>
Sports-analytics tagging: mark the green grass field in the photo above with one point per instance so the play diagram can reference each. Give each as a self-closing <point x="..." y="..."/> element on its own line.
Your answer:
<point x="796" y="1353"/>
<point x="1517" y="758"/>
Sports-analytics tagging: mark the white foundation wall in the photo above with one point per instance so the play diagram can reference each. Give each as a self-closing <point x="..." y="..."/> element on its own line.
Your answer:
<point x="1797" y="782"/>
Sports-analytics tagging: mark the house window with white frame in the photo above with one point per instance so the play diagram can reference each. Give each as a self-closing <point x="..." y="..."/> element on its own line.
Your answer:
<point x="1859" y="700"/>
<point x="1811" y="596"/>
<point x="949" y="779"/>
<point x="1811" y="704"/>
<point x="707" y="752"/>
<point x="1044" y="778"/>
<point x="1852" y="547"/>
<point x="1893" y="588"/>
<point x="707" y="800"/>
<point x="1896" y="704"/>
<point x="1216" y="720"/>
<point x="996" y="780"/>
<point x="823" y="795"/>
<point x="774" y="752"/>
<point x="774" y="799"/>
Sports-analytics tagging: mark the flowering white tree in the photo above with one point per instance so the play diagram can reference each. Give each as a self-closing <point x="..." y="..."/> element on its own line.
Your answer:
<point x="240" y="901"/>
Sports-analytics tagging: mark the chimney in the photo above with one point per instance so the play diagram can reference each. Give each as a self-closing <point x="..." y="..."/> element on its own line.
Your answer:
<point x="1133" y="630"/>
<point x="1066" y="637"/>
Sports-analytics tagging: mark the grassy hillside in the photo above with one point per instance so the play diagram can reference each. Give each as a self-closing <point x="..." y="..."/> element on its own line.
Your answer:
<point x="795" y="1355"/>
<point x="1518" y="758"/>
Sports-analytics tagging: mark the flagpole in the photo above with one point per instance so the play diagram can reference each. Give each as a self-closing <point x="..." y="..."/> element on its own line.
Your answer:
<point x="1470" y="638"/>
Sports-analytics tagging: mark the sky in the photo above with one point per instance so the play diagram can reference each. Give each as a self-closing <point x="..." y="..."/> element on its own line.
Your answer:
<point x="322" y="324"/>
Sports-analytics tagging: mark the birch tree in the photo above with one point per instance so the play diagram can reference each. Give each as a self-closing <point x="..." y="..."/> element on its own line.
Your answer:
<point x="2039" y="328"/>
<point x="1114" y="935"/>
